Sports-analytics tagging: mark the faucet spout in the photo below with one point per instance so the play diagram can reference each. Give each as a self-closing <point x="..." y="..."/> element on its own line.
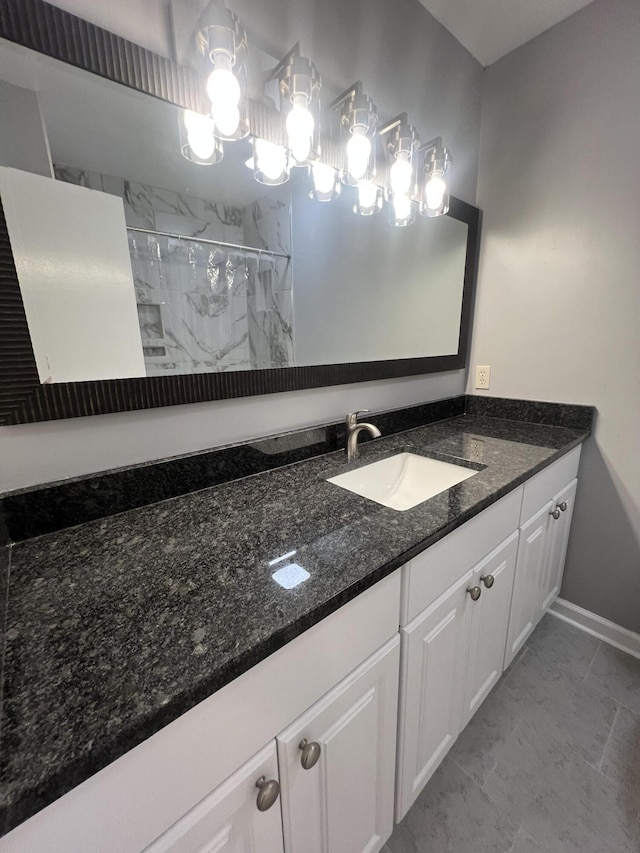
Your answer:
<point x="353" y="431"/>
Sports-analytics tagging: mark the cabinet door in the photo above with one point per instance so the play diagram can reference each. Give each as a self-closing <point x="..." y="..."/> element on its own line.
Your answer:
<point x="434" y="653"/>
<point x="489" y="623"/>
<point x="558" y="541"/>
<point x="344" y="802"/>
<point x="228" y="820"/>
<point x="530" y="567"/>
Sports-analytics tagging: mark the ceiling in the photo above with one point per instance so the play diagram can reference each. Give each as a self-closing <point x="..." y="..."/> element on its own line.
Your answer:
<point x="490" y="29"/>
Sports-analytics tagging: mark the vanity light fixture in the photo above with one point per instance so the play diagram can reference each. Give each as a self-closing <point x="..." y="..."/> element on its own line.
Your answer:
<point x="326" y="182"/>
<point x="359" y="116"/>
<point x="222" y="40"/>
<point x="198" y="140"/>
<point x="402" y="144"/>
<point x="436" y="178"/>
<point x="299" y="84"/>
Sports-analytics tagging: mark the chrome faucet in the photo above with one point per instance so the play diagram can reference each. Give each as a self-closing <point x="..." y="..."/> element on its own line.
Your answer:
<point x="353" y="431"/>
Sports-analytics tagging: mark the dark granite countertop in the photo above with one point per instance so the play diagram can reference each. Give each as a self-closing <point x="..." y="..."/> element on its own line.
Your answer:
<point x="118" y="626"/>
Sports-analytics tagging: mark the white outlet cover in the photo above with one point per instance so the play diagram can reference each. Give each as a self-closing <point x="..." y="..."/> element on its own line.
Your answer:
<point x="483" y="376"/>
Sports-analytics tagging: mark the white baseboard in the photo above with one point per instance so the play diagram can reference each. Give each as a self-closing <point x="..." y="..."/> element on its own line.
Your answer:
<point x="593" y="624"/>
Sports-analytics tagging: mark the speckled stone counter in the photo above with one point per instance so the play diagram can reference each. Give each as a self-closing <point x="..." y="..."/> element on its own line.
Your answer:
<point x="116" y="627"/>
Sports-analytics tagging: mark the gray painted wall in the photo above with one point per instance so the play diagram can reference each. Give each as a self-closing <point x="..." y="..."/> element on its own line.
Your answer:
<point x="408" y="61"/>
<point x="558" y="309"/>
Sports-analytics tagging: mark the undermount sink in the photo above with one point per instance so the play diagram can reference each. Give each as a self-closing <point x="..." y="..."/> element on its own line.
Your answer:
<point x="404" y="480"/>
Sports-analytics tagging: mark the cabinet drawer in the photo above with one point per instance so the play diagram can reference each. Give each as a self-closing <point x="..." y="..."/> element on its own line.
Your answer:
<point x="431" y="573"/>
<point x="541" y="488"/>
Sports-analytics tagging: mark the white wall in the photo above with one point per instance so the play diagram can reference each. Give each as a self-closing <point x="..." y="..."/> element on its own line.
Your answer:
<point x="558" y="307"/>
<point x="408" y="61"/>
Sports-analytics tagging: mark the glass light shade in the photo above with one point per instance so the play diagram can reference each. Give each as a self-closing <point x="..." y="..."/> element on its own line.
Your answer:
<point x="326" y="185"/>
<point x="435" y="188"/>
<point x="300" y="126"/>
<point x="358" y="153"/>
<point x="198" y="140"/>
<point x="369" y="201"/>
<point x="401" y="174"/>
<point x="270" y="162"/>
<point x="223" y="89"/>
<point x="435" y="200"/>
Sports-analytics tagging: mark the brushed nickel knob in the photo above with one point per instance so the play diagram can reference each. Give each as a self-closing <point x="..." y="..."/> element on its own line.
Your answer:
<point x="475" y="592"/>
<point x="310" y="753"/>
<point x="563" y="506"/>
<point x="488" y="580"/>
<point x="268" y="793"/>
<point x="555" y="514"/>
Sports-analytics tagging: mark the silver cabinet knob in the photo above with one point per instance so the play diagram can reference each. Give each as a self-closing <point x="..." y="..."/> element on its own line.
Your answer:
<point x="488" y="580"/>
<point x="555" y="513"/>
<point x="475" y="592"/>
<point x="268" y="793"/>
<point x="563" y="506"/>
<point x="310" y="753"/>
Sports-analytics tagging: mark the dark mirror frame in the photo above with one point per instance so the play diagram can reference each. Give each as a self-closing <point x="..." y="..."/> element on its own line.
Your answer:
<point x="51" y="31"/>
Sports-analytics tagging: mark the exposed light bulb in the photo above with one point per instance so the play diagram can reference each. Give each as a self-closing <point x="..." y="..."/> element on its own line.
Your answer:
<point x="358" y="153"/>
<point x="300" y="126"/>
<point x="224" y="93"/>
<point x="367" y="194"/>
<point x="400" y="174"/>
<point x="324" y="178"/>
<point x="435" y="191"/>
<point x="200" y="134"/>
<point x="402" y="207"/>
<point x="271" y="159"/>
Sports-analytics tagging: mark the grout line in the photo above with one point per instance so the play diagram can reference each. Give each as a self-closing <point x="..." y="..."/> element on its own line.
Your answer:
<point x="609" y="736"/>
<point x="596" y="650"/>
<point x="595" y="654"/>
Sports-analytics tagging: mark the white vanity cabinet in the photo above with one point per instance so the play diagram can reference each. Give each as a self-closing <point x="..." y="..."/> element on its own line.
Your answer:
<point x="240" y="816"/>
<point x="452" y="655"/>
<point x="559" y="528"/>
<point x="489" y="623"/>
<point x="545" y="521"/>
<point x="433" y="676"/>
<point x="337" y="763"/>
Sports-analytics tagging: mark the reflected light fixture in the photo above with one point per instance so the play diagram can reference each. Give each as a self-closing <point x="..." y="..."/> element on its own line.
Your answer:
<point x="198" y="140"/>
<point x="403" y="141"/>
<point x="359" y="116"/>
<point x="436" y="179"/>
<point x="369" y="199"/>
<point x="223" y="42"/>
<point x="326" y="182"/>
<point x="270" y="162"/>
<point x="299" y="84"/>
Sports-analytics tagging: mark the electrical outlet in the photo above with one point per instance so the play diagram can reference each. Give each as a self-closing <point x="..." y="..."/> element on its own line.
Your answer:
<point x="483" y="376"/>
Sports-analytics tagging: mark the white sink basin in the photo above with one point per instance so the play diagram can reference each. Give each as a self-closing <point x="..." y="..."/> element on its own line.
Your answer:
<point x="404" y="480"/>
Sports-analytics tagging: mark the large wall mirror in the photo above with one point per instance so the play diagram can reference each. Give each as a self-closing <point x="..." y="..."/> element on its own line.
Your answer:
<point x="145" y="279"/>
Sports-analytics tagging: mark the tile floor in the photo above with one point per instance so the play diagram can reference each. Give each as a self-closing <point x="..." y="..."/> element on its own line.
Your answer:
<point x="549" y="764"/>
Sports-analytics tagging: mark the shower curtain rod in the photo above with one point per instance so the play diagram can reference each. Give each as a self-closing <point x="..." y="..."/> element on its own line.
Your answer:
<point x="251" y="249"/>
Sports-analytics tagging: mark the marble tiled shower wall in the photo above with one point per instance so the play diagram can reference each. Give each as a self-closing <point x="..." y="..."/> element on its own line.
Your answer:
<point x="203" y="307"/>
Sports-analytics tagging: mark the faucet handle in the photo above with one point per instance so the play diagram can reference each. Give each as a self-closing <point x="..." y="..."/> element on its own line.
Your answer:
<point x="352" y="417"/>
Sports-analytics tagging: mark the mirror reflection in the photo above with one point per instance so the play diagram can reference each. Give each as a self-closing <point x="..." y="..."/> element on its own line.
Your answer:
<point x="215" y="272"/>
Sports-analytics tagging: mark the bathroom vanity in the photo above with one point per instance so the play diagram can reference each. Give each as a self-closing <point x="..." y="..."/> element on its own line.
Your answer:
<point x="277" y="663"/>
